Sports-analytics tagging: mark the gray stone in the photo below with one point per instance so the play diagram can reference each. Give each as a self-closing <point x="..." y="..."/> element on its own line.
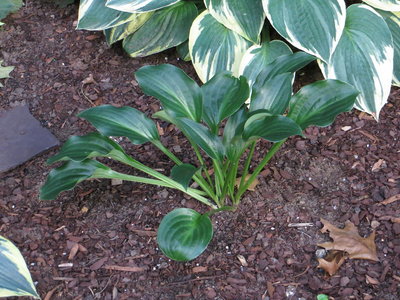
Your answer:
<point x="21" y="137"/>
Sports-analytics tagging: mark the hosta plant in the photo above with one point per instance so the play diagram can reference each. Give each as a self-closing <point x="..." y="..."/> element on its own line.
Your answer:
<point x="356" y="43"/>
<point x="15" y="279"/>
<point x="220" y="124"/>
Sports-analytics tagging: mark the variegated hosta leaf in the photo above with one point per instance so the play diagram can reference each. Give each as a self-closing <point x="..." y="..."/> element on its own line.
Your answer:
<point x="258" y="56"/>
<point x="5" y="71"/>
<point x="215" y="48"/>
<point x="138" y="6"/>
<point x="15" y="279"/>
<point x="94" y="15"/>
<point x="393" y="21"/>
<point x="313" y="26"/>
<point x="120" y="32"/>
<point x="166" y="28"/>
<point x="364" y="58"/>
<point x="389" y="5"/>
<point x="243" y="17"/>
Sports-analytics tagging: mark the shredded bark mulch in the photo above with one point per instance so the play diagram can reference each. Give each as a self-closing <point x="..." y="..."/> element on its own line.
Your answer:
<point x="98" y="241"/>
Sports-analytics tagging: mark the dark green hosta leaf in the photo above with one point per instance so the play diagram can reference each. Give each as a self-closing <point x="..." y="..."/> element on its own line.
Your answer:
<point x="79" y="148"/>
<point x="223" y="95"/>
<point x="364" y="58"/>
<point x="68" y="176"/>
<point x="389" y="5"/>
<point x="283" y="64"/>
<point x="257" y="57"/>
<point x="183" y="51"/>
<point x="139" y="6"/>
<point x="166" y="28"/>
<point x="94" y="15"/>
<point x="179" y="94"/>
<point x="183" y="174"/>
<point x="184" y="234"/>
<point x="215" y="48"/>
<point x="122" y="121"/>
<point x="393" y="21"/>
<point x="269" y="127"/>
<point x="314" y="26"/>
<point x="243" y="17"/>
<point x="274" y="95"/>
<point x="120" y="32"/>
<point x="203" y="137"/>
<point x="232" y="140"/>
<point x="9" y="6"/>
<point x="320" y="102"/>
<point x="15" y="279"/>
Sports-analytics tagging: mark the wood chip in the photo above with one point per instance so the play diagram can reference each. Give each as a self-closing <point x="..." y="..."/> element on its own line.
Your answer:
<point x="242" y="260"/>
<point x="73" y="252"/>
<point x="66" y="265"/>
<point x="371" y="280"/>
<point x="379" y="165"/>
<point x="391" y="199"/>
<point x="50" y="293"/>
<point x="144" y="232"/>
<point x="124" y="269"/>
<point x="346" y="128"/>
<point x="199" y="269"/>
<point x="270" y="289"/>
<point x="300" y="224"/>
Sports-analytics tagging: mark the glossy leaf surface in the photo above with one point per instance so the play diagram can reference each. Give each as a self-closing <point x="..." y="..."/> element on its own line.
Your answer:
<point x="393" y="21"/>
<point x="223" y="95"/>
<point x="215" y="48"/>
<point x="9" y="6"/>
<point x="184" y="234"/>
<point x="79" y="148"/>
<point x="274" y="95"/>
<point x="122" y="121"/>
<point x="232" y="139"/>
<point x="203" y="137"/>
<point x="120" y="32"/>
<point x="166" y="28"/>
<point x="314" y="26"/>
<point x="271" y="128"/>
<point x="68" y="176"/>
<point x="179" y="95"/>
<point x="94" y="15"/>
<point x="15" y="279"/>
<point x="183" y="174"/>
<point x="389" y="5"/>
<point x="243" y="17"/>
<point x="257" y="57"/>
<point x="364" y="58"/>
<point x="320" y="102"/>
<point x="139" y="6"/>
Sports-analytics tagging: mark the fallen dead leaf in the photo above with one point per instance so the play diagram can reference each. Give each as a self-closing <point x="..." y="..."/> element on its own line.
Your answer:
<point x="371" y="280"/>
<point x="252" y="186"/>
<point x="348" y="239"/>
<point x="271" y="289"/>
<point x="332" y="262"/>
<point x="391" y="199"/>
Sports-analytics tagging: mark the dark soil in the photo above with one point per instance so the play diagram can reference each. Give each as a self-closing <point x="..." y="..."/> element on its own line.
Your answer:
<point x="339" y="173"/>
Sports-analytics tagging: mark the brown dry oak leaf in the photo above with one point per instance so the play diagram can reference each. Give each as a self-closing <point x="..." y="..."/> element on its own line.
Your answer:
<point x="332" y="262"/>
<point x="348" y="240"/>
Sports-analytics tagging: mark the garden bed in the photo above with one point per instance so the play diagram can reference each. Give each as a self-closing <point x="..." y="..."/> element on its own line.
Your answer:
<point x="339" y="173"/>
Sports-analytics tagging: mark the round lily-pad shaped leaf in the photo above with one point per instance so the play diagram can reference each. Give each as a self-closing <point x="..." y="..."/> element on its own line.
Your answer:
<point x="184" y="234"/>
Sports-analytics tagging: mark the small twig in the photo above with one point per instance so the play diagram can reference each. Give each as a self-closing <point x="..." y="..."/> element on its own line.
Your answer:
<point x="196" y="279"/>
<point x="300" y="224"/>
<point x="305" y="271"/>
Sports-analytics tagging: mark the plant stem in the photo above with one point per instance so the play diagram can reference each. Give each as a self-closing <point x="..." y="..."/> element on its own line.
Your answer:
<point x="198" y="178"/>
<point x="110" y="174"/>
<point x="217" y="210"/>
<point x="257" y="171"/>
<point x="247" y="163"/>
